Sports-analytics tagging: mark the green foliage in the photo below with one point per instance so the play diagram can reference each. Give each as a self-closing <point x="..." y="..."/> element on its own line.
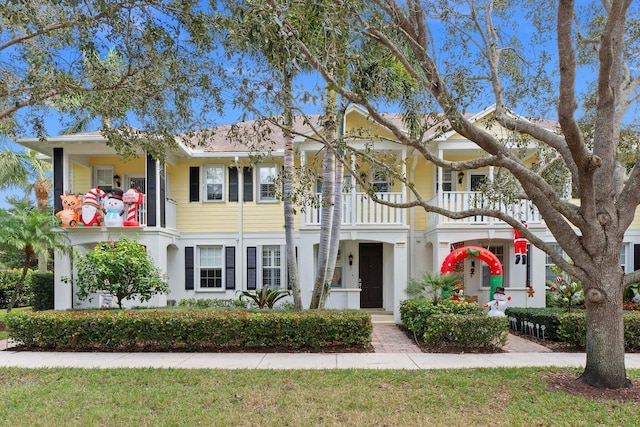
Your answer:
<point x="265" y="297"/>
<point x="8" y="281"/>
<point x="547" y="317"/>
<point x="434" y="286"/>
<point x="569" y="290"/>
<point x="416" y="313"/>
<point x="42" y="285"/>
<point x="194" y="330"/>
<point x="122" y="269"/>
<point x="469" y="331"/>
<point x="212" y="303"/>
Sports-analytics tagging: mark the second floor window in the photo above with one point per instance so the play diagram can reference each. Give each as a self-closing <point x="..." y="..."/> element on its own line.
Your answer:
<point x="381" y="182"/>
<point x="267" y="175"/>
<point x="447" y="181"/>
<point x="213" y="182"/>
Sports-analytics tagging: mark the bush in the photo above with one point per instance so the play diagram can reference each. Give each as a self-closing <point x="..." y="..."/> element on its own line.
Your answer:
<point x="573" y="329"/>
<point x="212" y="303"/>
<point x="467" y="331"/>
<point x="194" y="330"/>
<point x="42" y="285"/>
<point x="547" y="317"/>
<point x="415" y="313"/>
<point x="8" y="281"/>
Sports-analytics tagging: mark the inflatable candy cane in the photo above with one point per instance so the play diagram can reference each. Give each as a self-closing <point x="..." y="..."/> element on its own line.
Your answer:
<point x="134" y="198"/>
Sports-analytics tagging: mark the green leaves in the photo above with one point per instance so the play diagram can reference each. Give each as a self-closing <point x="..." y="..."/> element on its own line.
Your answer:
<point x="122" y="269"/>
<point x="265" y="297"/>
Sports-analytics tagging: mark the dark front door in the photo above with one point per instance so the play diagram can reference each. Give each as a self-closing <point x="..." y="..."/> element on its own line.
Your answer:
<point x="370" y="269"/>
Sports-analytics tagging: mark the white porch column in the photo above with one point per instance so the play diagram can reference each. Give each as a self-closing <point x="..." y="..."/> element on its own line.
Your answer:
<point x="62" y="292"/>
<point x="399" y="277"/>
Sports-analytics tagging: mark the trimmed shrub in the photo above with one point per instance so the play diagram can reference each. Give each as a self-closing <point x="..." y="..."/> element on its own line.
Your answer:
<point x="8" y="281"/>
<point x="415" y="313"/>
<point x="573" y="329"/>
<point x="547" y="317"/>
<point x="212" y="303"/>
<point x="467" y="331"/>
<point x="42" y="287"/>
<point x="194" y="330"/>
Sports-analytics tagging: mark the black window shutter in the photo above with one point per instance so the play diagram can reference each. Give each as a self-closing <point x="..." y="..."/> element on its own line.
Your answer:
<point x="230" y="267"/>
<point x="189" y="277"/>
<point x="252" y="279"/>
<point x="233" y="184"/>
<point x="247" y="178"/>
<point x="194" y="184"/>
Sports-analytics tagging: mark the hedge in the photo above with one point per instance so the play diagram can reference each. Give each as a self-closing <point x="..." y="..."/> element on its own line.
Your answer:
<point x="195" y="330"/>
<point x="573" y="329"/>
<point x="42" y="287"/>
<point x="415" y="313"/>
<point x="547" y="317"/>
<point x="8" y="281"/>
<point x="469" y="331"/>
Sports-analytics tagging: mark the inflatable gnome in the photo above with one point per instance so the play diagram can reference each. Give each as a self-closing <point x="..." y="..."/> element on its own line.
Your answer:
<point x="92" y="213"/>
<point x="69" y="213"/>
<point x="114" y="206"/>
<point x="499" y="303"/>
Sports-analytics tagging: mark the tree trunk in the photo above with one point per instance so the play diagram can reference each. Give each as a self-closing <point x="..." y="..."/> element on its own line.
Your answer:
<point x="605" y="367"/>
<point x="42" y="189"/>
<point x="289" y="174"/>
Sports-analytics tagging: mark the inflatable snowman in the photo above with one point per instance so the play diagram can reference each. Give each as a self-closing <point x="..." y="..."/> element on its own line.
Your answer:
<point x="499" y="303"/>
<point x="91" y="213"/>
<point x="114" y="206"/>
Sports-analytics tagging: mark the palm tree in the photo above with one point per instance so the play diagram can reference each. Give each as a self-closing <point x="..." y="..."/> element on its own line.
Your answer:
<point x="28" y="171"/>
<point x="30" y="232"/>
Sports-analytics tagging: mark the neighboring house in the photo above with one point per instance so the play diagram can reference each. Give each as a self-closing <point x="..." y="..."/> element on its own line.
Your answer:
<point x="211" y="221"/>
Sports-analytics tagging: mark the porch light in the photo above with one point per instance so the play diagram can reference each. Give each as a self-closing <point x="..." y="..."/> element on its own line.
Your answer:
<point x="116" y="180"/>
<point x="350" y="259"/>
<point x="460" y="177"/>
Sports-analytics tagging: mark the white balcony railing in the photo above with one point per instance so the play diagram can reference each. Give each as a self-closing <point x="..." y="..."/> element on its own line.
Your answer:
<point x="457" y="201"/>
<point x="360" y="209"/>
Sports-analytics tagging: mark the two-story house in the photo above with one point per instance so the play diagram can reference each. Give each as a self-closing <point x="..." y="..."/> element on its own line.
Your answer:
<point x="210" y="219"/>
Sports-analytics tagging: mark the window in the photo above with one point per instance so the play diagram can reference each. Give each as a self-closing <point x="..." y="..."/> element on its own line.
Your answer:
<point x="271" y="266"/>
<point x="548" y="262"/>
<point x="103" y="178"/>
<point x="381" y="183"/>
<point x="211" y="267"/>
<point x="498" y="251"/>
<point x="446" y="180"/>
<point x="336" y="282"/>
<point x="213" y="177"/>
<point x="267" y="175"/>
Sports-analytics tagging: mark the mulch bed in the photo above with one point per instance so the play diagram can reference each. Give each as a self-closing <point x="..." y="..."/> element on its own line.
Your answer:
<point x="567" y="382"/>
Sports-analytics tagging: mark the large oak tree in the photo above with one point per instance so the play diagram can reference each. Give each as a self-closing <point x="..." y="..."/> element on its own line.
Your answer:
<point x="575" y="64"/>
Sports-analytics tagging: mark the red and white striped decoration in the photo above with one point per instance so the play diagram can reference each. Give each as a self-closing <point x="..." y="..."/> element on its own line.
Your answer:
<point x="134" y="198"/>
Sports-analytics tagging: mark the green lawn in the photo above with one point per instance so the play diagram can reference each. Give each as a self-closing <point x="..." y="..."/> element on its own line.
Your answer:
<point x="174" y="397"/>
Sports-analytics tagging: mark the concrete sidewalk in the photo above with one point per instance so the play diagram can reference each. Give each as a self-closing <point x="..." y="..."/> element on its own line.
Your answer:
<point x="295" y="360"/>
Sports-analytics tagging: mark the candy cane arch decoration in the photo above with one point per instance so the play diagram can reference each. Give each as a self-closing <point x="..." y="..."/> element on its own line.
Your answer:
<point x="475" y="252"/>
<point x="134" y="198"/>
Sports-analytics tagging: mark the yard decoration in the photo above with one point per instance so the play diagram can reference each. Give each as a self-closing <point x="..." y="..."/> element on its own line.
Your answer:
<point x="69" y="213"/>
<point x="133" y="198"/>
<point x="115" y="209"/>
<point x="92" y="213"/>
<point x="498" y="304"/>
<point x="520" y="245"/>
<point x="475" y="252"/>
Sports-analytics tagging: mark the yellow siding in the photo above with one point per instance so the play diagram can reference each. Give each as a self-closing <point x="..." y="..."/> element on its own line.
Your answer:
<point x="423" y="179"/>
<point x="220" y="216"/>
<point x="81" y="178"/>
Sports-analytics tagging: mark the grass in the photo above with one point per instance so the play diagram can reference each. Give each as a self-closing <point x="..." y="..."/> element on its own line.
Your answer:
<point x="175" y="397"/>
<point x="3" y="314"/>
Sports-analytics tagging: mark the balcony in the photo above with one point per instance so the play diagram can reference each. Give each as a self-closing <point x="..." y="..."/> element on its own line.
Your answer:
<point x="457" y="201"/>
<point x="358" y="209"/>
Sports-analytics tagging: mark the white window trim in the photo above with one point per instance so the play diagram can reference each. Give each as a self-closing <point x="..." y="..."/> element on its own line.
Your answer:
<point x="283" y="269"/>
<point x="438" y="186"/>
<point x="223" y="183"/>
<point x="94" y="175"/>
<point x="198" y="267"/>
<point x="259" y="197"/>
